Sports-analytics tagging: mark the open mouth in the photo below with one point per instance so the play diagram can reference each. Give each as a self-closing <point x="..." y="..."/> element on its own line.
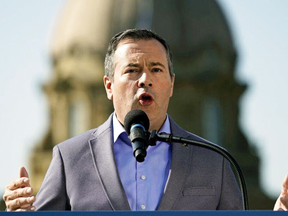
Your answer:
<point x="145" y="99"/>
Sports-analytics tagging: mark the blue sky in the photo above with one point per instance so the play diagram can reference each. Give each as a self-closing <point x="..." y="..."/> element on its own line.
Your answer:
<point x="261" y="37"/>
<point x="260" y="32"/>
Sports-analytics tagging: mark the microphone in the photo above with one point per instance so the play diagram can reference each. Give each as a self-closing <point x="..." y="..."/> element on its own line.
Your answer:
<point x="136" y="123"/>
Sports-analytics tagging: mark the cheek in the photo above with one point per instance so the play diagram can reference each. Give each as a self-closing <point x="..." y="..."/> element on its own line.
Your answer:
<point x="167" y="87"/>
<point x="124" y="91"/>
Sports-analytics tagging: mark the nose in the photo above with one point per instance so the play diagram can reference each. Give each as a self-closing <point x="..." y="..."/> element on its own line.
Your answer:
<point x="145" y="80"/>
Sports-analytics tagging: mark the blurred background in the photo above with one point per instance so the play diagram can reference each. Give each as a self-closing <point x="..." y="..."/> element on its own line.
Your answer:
<point x="230" y="60"/>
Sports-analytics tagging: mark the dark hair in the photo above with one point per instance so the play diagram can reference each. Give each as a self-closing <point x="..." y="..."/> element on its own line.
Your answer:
<point x="137" y="34"/>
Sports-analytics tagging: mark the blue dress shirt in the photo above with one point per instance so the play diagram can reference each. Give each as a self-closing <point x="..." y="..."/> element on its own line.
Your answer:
<point x="144" y="183"/>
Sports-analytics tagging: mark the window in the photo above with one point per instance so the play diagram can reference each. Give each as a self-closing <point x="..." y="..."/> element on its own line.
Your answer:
<point x="212" y="120"/>
<point x="78" y="117"/>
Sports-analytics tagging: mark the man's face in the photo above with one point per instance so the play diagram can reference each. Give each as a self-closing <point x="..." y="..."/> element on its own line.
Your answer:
<point x="141" y="80"/>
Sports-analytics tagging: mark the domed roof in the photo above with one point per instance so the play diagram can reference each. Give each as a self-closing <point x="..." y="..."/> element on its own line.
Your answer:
<point x="196" y="30"/>
<point x="187" y="24"/>
<point x="91" y="23"/>
<point x="198" y="35"/>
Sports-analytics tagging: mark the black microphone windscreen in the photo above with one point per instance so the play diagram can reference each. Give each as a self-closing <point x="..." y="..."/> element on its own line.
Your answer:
<point x="136" y="117"/>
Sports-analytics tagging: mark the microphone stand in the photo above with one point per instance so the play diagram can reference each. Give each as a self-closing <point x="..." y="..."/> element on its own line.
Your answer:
<point x="154" y="136"/>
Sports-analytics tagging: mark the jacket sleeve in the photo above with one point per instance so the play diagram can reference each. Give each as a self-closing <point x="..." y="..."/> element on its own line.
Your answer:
<point x="230" y="194"/>
<point x="52" y="194"/>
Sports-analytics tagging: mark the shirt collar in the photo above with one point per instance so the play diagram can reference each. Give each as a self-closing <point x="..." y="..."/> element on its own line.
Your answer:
<point x="118" y="128"/>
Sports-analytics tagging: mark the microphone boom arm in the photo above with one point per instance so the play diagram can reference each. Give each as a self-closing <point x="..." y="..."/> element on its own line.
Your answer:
<point x="154" y="136"/>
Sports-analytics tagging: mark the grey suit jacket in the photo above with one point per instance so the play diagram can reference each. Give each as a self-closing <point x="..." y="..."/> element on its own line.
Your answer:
<point x="83" y="176"/>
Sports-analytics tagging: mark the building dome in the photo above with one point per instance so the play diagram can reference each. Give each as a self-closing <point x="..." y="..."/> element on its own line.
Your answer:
<point x="91" y="23"/>
<point x="82" y="34"/>
<point x="198" y="34"/>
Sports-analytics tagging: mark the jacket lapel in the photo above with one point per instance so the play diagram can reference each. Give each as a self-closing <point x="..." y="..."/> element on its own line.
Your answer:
<point x="102" y="151"/>
<point x="180" y="165"/>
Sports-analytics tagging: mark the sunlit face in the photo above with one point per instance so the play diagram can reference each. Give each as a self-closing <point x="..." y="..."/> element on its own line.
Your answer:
<point x="141" y="80"/>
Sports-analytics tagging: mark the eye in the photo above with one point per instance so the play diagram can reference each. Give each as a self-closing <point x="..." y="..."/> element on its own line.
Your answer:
<point x="157" y="70"/>
<point x="131" y="70"/>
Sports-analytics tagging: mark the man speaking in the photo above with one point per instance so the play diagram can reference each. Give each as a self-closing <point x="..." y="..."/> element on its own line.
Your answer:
<point x="97" y="171"/>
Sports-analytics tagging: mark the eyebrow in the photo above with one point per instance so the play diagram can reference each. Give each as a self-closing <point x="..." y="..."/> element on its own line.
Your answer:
<point x="151" y="64"/>
<point x="133" y="65"/>
<point x="156" y="64"/>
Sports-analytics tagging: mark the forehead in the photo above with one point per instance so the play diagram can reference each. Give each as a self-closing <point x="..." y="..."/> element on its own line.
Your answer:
<point x="129" y="46"/>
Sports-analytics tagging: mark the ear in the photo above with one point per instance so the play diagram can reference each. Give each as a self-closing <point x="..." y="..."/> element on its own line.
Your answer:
<point x="108" y="87"/>
<point x="172" y="85"/>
